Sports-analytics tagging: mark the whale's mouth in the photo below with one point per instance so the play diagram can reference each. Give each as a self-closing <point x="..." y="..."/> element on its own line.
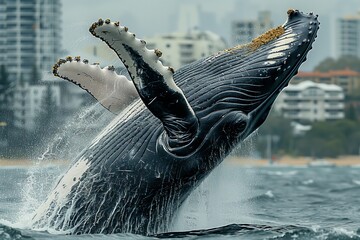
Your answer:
<point x="303" y="28"/>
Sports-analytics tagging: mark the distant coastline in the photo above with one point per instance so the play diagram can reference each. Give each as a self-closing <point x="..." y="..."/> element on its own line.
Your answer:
<point x="297" y="161"/>
<point x="29" y="163"/>
<point x="283" y="161"/>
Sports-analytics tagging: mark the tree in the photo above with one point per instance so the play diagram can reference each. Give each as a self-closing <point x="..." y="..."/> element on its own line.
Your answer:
<point x="331" y="139"/>
<point x="47" y="116"/>
<point x="4" y="80"/>
<point x="350" y="113"/>
<point x="341" y="63"/>
<point x="277" y="127"/>
<point x="6" y="111"/>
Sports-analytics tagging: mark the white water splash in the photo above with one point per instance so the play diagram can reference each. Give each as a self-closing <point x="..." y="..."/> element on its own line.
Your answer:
<point x="357" y="182"/>
<point x="308" y="182"/>
<point x="269" y="194"/>
<point x="219" y="200"/>
<point x="41" y="178"/>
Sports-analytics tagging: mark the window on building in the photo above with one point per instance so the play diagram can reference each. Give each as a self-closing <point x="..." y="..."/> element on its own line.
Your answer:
<point x="332" y="102"/>
<point x="292" y="112"/>
<point x="292" y="93"/>
<point x="291" y="102"/>
<point x="333" y="112"/>
<point x="313" y="91"/>
<point x="325" y="80"/>
<point x="186" y="46"/>
<point x="333" y="93"/>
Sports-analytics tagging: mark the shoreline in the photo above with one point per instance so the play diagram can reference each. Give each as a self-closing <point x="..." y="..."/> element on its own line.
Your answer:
<point x="243" y="161"/>
<point x="344" y="161"/>
<point x="30" y="163"/>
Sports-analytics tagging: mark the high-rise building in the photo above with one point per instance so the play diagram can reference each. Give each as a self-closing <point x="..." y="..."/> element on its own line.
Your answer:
<point x="30" y="36"/>
<point x="348" y="36"/>
<point x="189" y="17"/>
<point x="243" y="31"/>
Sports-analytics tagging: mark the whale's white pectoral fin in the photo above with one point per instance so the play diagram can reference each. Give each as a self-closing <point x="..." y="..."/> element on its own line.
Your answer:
<point x="113" y="91"/>
<point x="153" y="81"/>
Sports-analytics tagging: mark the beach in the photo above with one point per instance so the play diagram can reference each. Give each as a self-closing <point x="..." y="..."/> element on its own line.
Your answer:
<point x="282" y="161"/>
<point x="29" y="163"/>
<point x="297" y="161"/>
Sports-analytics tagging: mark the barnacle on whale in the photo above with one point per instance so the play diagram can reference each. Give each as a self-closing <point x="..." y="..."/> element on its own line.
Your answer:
<point x="261" y="40"/>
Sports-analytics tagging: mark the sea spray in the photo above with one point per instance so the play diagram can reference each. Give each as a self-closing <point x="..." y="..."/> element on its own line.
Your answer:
<point x="221" y="198"/>
<point x="44" y="171"/>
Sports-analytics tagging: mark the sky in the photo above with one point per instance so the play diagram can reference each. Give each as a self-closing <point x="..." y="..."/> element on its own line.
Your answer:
<point x="147" y="18"/>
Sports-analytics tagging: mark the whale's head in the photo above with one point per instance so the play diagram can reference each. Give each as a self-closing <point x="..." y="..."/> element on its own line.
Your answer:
<point x="277" y="62"/>
<point x="247" y="78"/>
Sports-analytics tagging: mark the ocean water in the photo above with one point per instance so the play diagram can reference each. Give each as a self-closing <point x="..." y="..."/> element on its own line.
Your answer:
<point x="235" y="202"/>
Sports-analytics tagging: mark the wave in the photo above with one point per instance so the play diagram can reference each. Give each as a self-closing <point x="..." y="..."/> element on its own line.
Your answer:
<point x="264" y="197"/>
<point x="232" y="231"/>
<point x="282" y="173"/>
<point x="253" y="231"/>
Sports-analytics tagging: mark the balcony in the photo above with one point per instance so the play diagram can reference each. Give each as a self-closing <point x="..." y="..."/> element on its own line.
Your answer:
<point x="334" y="96"/>
<point x="338" y="115"/>
<point x="293" y="116"/>
<point x="334" y="105"/>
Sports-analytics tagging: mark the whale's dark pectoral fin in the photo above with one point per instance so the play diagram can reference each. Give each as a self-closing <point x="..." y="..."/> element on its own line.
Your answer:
<point x="153" y="81"/>
<point x="113" y="91"/>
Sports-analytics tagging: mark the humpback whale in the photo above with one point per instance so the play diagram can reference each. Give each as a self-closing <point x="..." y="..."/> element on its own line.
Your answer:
<point x="171" y="129"/>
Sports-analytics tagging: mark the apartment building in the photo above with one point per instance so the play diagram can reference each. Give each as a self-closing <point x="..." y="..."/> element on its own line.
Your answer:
<point x="243" y="31"/>
<point x="347" y="79"/>
<point x="182" y="48"/>
<point x="348" y="36"/>
<point x="310" y="101"/>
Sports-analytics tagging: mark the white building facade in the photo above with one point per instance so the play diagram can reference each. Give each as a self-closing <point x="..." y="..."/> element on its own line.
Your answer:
<point x="348" y="36"/>
<point x="28" y="103"/>
<point x="182" y="48"/>
<point x="309" y="101"/>
<point x="243" y="31"/>
<point x="30" y="35"/>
